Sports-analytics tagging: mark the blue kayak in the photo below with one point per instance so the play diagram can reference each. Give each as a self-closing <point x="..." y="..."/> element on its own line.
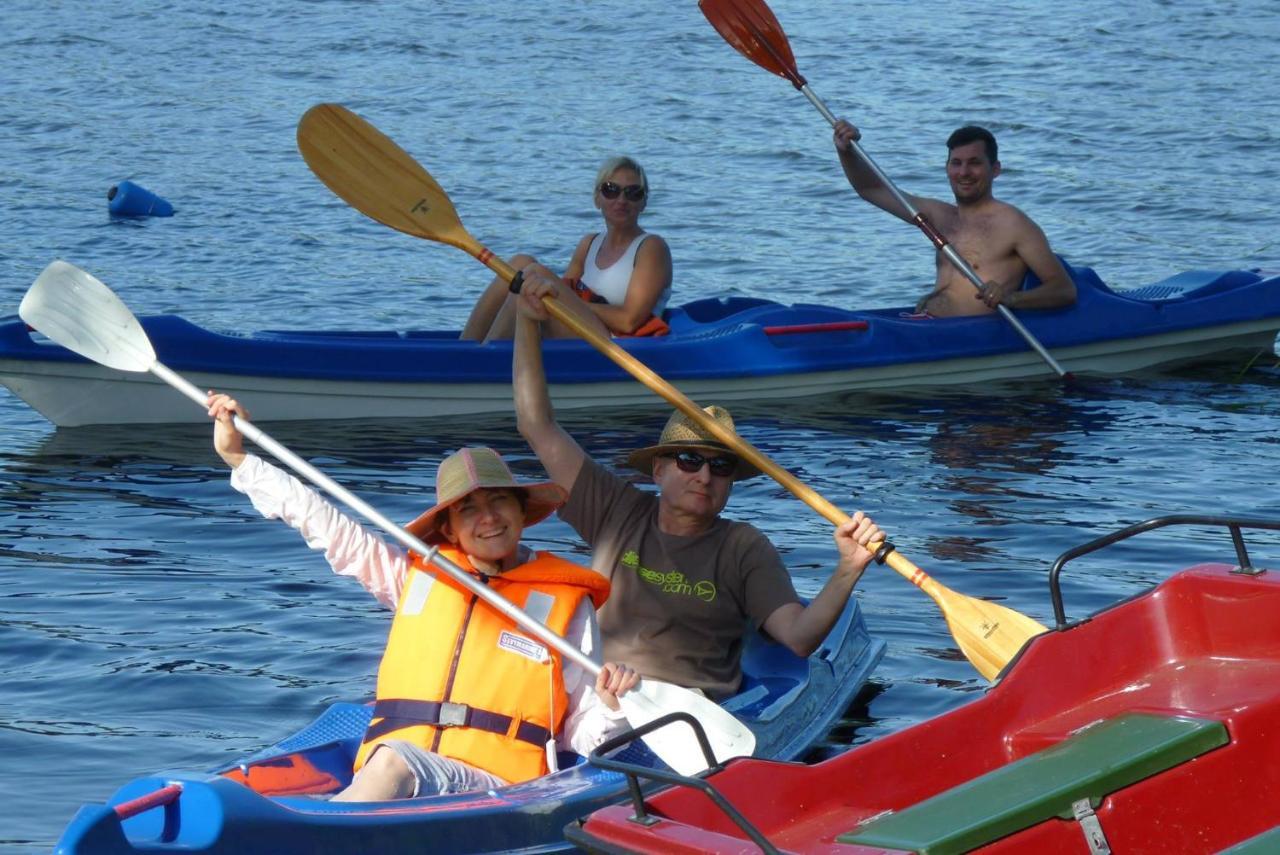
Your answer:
<point x="719" y="350"/>
<point x="274" y="801"/>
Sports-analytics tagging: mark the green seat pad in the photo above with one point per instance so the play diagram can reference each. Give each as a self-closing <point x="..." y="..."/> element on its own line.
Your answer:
<point x="1090" y="764"/>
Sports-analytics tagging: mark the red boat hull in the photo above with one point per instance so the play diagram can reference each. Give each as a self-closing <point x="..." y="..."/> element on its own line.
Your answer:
<point x="1204" y="645"/>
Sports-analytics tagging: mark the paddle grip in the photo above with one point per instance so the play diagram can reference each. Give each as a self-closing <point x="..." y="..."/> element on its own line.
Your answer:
<point x="517" y="282"/>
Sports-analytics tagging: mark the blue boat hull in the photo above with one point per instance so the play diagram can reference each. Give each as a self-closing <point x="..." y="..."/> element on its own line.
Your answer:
<point x="720" y="349"/>
<point x="789" y="702"/>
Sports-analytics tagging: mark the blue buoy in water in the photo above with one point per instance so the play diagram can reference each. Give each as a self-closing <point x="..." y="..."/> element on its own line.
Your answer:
<point x="127" y="199"/>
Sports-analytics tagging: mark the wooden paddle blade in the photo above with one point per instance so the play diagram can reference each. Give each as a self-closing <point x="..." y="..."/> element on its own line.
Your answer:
<point x="989" y="634"/>
<point x="79" y="312"/>
<point x="676" y="743"/>
<point x="372" y="174"/>
<point x="752" y="29"/>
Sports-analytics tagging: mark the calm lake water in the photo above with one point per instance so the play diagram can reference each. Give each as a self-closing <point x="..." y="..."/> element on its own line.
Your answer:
<point x="149" y="619"/>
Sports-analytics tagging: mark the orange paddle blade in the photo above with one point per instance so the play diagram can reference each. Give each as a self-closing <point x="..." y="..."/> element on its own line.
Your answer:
<point x="752" y="29"/>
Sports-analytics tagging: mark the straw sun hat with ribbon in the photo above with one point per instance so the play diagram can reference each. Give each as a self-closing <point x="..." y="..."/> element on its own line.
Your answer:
<point x="684" y="434"/>
<point x="471" y="469"/>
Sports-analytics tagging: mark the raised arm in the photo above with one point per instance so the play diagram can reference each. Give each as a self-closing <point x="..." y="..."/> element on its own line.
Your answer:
<point x="559" y="453"/>
<point x="868" y="185"/>
<point x="350" y="549"/>
<point x="227" y="440"/>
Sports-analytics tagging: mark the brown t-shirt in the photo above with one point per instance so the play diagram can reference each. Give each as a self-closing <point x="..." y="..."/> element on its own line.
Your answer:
<point x="680" y="606"/>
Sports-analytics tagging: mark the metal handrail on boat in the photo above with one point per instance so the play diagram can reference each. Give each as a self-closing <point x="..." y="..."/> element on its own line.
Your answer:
<point x="635" y="772"/>
<point x="1233" y="524"/>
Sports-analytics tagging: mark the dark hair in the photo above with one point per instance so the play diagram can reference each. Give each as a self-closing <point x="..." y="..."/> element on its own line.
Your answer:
<point x="973" y="133"/>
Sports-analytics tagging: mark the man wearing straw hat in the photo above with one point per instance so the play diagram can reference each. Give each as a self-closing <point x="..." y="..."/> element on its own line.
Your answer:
<point x="686" y="582"/>
<point x="465" y="700"/>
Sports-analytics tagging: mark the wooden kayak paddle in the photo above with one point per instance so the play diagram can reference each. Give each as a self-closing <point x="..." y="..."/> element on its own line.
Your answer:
<point x="380" y="180"/>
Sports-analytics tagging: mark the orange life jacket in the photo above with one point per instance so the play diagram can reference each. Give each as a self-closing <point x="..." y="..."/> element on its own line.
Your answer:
<point x="462" y="680"/>
<point x="654" y="326"/>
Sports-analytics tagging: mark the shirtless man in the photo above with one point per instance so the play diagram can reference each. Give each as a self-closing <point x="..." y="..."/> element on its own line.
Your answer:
<point x="997" y="240"/>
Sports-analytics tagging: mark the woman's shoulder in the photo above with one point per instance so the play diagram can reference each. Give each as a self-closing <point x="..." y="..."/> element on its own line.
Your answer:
<point x="651" y="243"/>
<point x="584" y="244"/>
<point x="579" y="258"/>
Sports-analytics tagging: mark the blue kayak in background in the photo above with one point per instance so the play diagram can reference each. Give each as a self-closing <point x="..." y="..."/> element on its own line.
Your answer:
<point x="720" y="350"/>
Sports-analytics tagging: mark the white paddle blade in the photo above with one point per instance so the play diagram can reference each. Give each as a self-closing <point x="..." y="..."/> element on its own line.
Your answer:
<point x="676" y="743"/>
<point x="77" y="311"/>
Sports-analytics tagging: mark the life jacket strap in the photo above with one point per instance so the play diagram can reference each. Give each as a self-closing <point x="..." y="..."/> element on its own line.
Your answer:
<point x="393" y="714"/>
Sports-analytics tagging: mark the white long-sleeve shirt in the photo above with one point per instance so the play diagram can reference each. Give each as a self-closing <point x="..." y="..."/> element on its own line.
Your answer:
<point x="382" y="568"/>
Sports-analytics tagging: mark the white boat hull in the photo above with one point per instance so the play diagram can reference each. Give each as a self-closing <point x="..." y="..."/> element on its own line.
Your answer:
<point x="79" y="394"/>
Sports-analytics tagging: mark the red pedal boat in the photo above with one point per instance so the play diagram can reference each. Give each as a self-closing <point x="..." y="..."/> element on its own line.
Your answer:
<point x="1150" y="727"/>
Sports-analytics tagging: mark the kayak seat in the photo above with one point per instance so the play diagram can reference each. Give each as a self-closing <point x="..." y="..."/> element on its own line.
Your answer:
<point x="341" y="722"/>
<point x="708" y="310"/>
<point x="316" y="759"/>
<point x="319" y="758"/>
<point x="770" y="673"/>
<point x="1092" y="764"/>
<point x="1086" y="279"/>
<point x="1192" y="284"/>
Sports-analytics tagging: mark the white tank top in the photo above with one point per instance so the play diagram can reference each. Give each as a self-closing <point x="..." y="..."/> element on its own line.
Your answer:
<point x="611" y="282"/>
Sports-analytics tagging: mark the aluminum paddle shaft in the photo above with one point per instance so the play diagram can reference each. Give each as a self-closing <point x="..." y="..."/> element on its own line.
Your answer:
<point x="753" y="30"/>
<point x="79" y="312"/>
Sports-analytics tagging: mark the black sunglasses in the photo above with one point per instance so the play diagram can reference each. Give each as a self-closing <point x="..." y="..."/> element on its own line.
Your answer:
<point x="689" y="461"/>
<point x="633" y="192"/>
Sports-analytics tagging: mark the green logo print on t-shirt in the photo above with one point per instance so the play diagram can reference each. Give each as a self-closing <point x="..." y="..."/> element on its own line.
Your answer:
<point x="672" y="582"/>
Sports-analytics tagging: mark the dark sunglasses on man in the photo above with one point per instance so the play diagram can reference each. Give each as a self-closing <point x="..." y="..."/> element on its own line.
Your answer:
<point x="633" y="192"/>
<point x="722" y="465"/>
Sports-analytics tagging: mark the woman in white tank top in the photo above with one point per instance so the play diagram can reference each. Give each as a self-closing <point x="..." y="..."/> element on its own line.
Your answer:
<point x="622" y="275"/>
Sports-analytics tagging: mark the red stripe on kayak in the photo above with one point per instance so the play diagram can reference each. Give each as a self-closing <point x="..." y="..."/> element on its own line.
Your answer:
<point x="163" y="796"/>
<point x="833" y="326"/>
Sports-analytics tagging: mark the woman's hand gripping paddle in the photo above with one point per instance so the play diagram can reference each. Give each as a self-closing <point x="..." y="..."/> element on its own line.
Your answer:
<point x="377" y="178"/>
<point x="751" y="28"/>
<point x="82" y="314"/>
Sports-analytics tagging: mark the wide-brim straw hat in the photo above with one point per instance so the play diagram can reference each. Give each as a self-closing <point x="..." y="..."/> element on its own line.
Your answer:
<point x="470" y="469"/>
<point x="684" y="434"/>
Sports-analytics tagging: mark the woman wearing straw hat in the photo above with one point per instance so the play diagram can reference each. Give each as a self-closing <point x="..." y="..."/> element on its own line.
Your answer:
<point x="686" y="582"/>
<point x="465" y="701"/>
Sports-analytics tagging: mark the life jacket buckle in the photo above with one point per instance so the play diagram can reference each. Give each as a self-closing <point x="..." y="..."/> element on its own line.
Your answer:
<point x="453" y="715"/>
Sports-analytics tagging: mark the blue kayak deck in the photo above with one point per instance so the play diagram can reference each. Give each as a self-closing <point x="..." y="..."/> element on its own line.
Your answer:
<point x="713" y="338"/>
